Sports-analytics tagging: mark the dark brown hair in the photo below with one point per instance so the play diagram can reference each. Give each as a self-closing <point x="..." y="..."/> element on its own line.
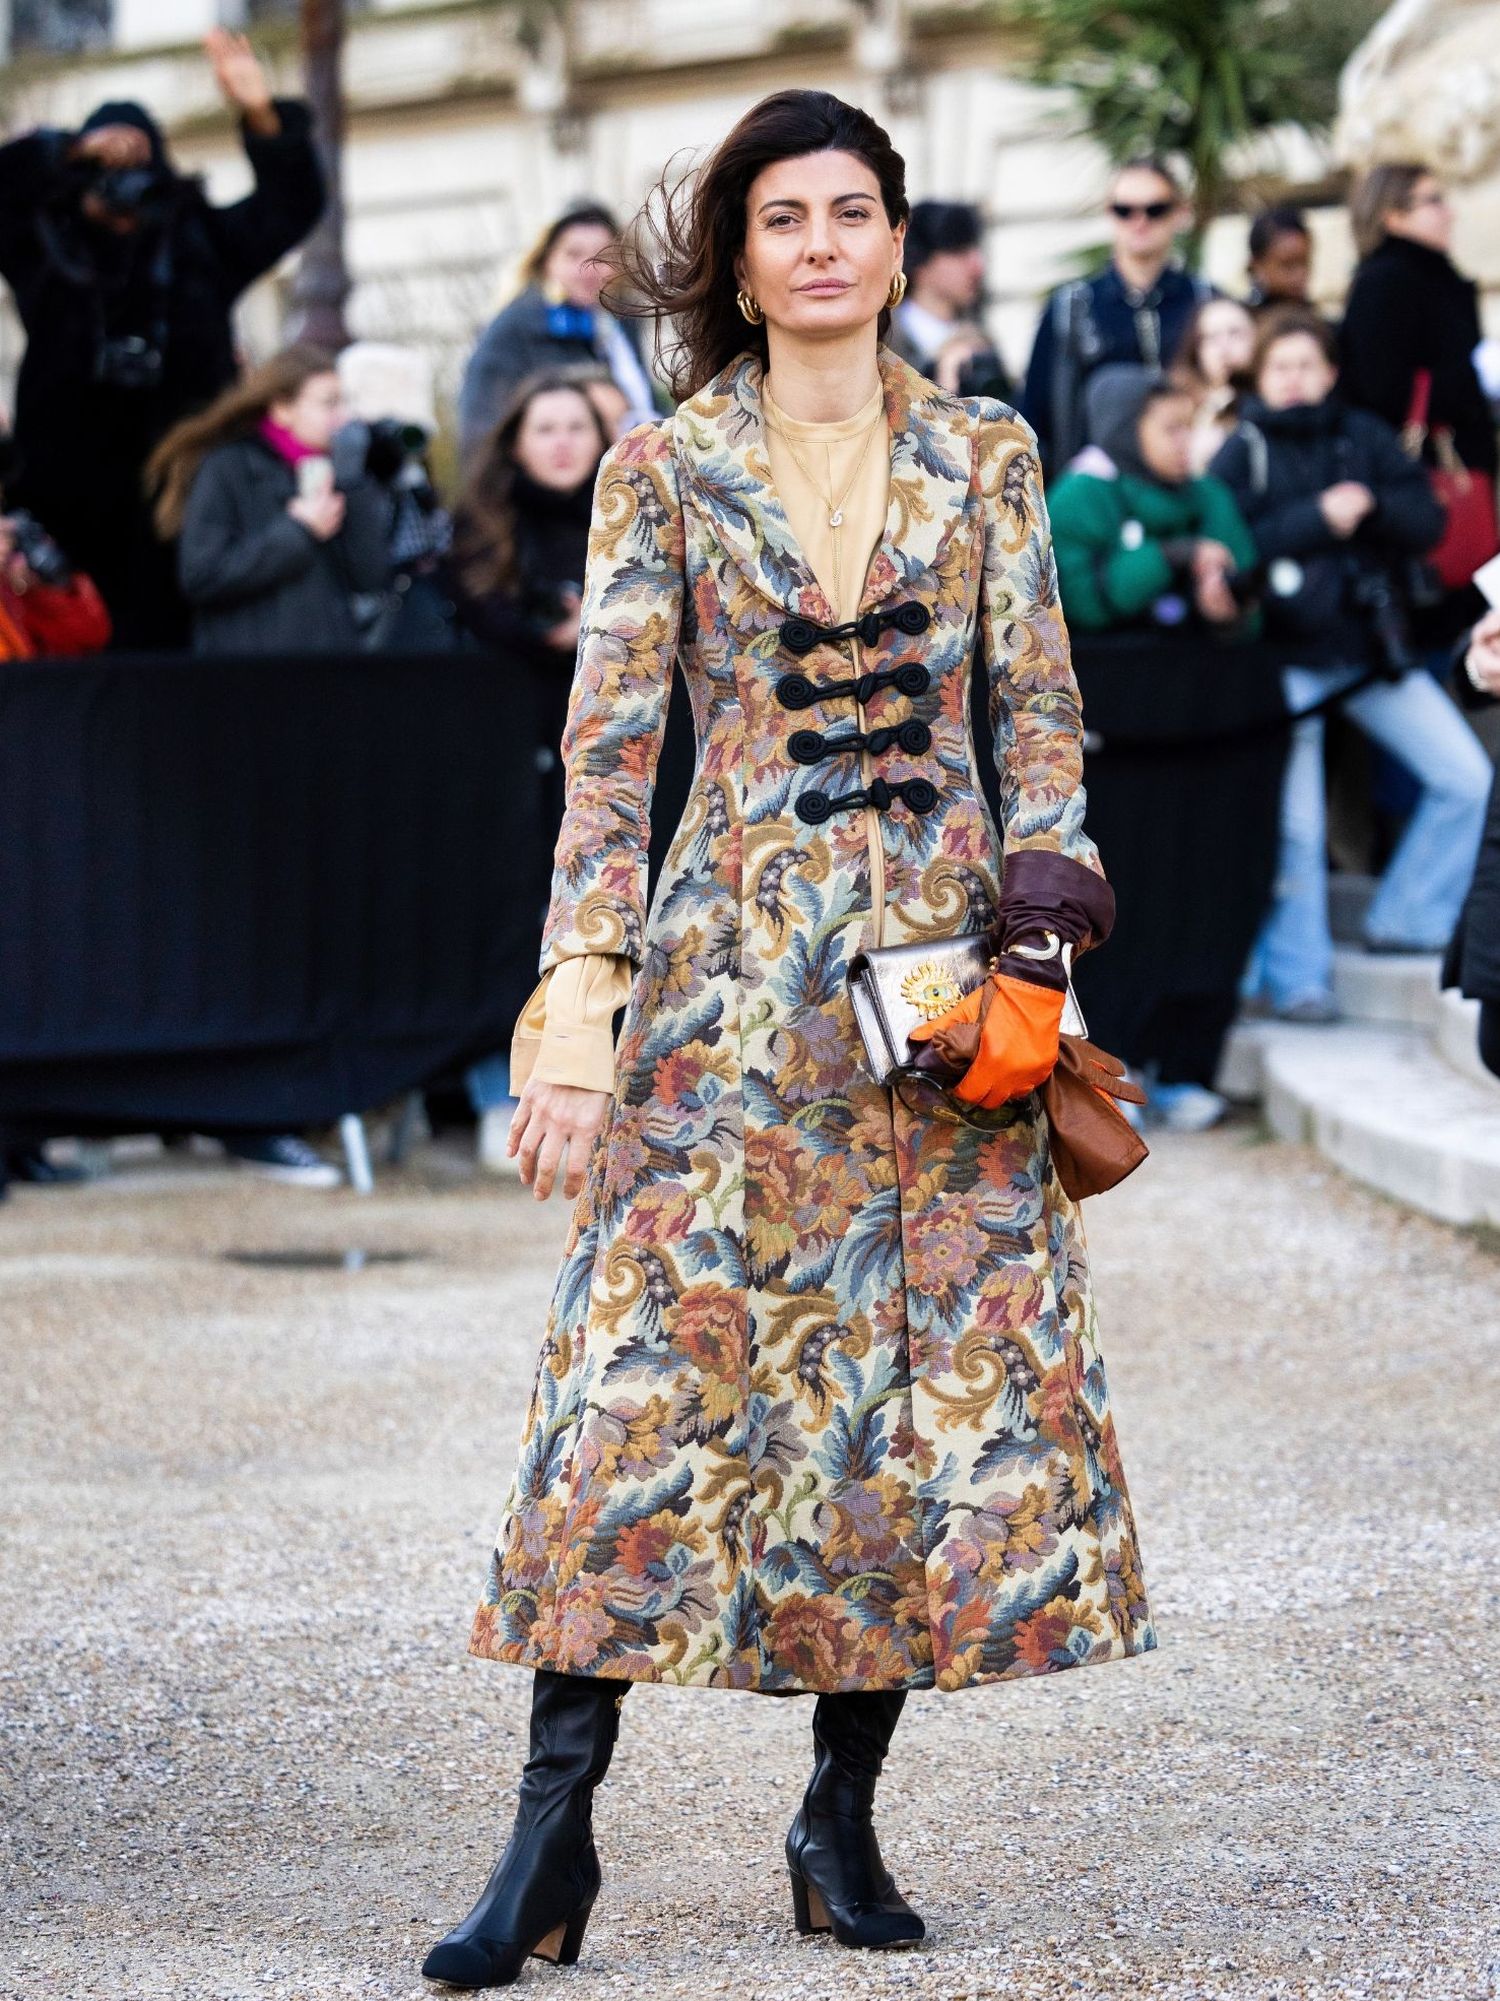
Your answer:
<point x="677" y="259"/>
<point x="173" y="466"/>
<point x="484" y="530"/>
<point x="1375" y="194"/>
<point x="1282" y="324"/>
<point x="1185" y="366"/>
<point x="588" y="214"/>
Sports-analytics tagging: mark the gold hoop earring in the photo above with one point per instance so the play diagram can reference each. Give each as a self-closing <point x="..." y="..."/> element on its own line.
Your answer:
<point x="750" y="308"/>
<point x="897" y="292"/>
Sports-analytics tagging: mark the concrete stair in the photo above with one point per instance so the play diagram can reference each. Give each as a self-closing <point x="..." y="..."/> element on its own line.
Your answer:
<point x="1394" y="1095"/>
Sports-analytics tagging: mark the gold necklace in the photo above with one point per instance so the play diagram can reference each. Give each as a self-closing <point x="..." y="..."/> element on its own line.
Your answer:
<point x="835" y="508"/>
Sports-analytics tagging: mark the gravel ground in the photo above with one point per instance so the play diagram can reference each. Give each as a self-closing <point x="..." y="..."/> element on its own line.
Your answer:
<point x="248" y="1509"/>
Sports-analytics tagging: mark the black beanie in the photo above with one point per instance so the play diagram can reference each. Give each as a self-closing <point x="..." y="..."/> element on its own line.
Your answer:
<point x="1113" y="399"/>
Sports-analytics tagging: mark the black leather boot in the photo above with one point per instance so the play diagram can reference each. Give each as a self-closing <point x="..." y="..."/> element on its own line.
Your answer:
<point x="839" y="1882"/>
<point x="542" y="1889"/>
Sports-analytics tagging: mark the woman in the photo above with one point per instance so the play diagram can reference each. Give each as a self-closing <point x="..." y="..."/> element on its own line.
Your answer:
<point x="1338" y="510"/>
<point x="1211" y="365"/>
<point x="820" y="1407"/>
<point x="521" y="535"/>
<point x="1280" y="266"/>
<point x="273" y="547"/>
<point x="555" y="319"/>
<point x="1410" y="309"/>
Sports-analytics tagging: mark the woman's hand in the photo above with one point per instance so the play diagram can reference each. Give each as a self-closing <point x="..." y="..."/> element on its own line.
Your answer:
<point x="552" y="1124"/>
<point x="114" y="146"/>
<point x="1213" y="564"/>
<point x="241" y="79"/>
<point x="1482" y="661"/>
<point x="1344" y="506"/>
<point x="564" y="635"/>
<point x="321" y="514"/>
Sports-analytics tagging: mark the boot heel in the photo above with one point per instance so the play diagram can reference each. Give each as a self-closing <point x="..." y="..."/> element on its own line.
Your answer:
<point x="807" y="1906"/>
<point x="564" y="1942"/>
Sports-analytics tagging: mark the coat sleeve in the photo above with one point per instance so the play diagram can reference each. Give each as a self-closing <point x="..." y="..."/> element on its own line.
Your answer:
<point x="1222" y="521"/>
<point x="565" y="1032"/>
<point x="1408" y="516"/>
<point x="1379" y="346"/>
<point x="1103" y="584"/>
<point x="1280" y="526"/>
<point x="363" y="544"/>
<point x="617" y="707"/>
<point x="31" y="168"/>
<point x="285" y="202"/>
<point x="1050" y="864"/>
<point x="222" y="562"/>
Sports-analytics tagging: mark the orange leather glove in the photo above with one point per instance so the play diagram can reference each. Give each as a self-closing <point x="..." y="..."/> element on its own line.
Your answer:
<point x="1006" y="1030"/>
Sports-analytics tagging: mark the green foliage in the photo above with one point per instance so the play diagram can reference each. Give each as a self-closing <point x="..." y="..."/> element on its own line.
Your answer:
<point x="1193" y="77"/>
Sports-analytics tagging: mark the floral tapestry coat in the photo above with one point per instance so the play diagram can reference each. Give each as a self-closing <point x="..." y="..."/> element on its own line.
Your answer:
<point x="819" y="1404"/>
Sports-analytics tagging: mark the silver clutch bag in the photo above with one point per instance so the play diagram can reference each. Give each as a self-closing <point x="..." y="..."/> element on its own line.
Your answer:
<point x="896" y="987"/>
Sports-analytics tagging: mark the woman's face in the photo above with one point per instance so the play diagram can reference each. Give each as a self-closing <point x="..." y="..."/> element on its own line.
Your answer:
<point x="1283" y="269"/>
<point x="1427" y="218"/>
<point x="314" y="413"/>
<point x="558" y="442"/>
<point x="1164" y="437"/>
<point x="1295" y="370"/>
<point x="820" y="253"/>
<point x="572" y="268"/>
<point x="1226" y="340"/>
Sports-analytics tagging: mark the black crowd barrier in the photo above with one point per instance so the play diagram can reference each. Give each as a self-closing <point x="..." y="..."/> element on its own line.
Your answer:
<point x="265" y="892"/>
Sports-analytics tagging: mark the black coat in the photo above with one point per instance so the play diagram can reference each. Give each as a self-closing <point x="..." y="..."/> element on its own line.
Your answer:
<point x="552" y="533"/>
<point x="83" y="443"/>
<point x="1410" y="308"/>
<point x="1277" y="463"/>
<point x="1473" y="960"/>
<point x="258" y="581"/>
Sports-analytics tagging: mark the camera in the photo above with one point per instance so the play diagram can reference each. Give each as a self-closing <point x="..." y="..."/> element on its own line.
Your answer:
<point x="128" y="193"/>
<point x="44" y="559"/>
<point x="1373" y="593"/>
<point x="395" y="453"/>
<point x="129" y="361"/>
<point x="547" y="605"/>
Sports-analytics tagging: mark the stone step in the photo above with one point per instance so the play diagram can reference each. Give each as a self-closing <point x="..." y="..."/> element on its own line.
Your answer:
<point x="1395" y="988"/>
<point x="1457" y="1039"/>
<point x="1382" y="1105"/>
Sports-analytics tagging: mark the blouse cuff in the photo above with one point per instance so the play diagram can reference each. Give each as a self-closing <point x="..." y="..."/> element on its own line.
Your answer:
<point x="565" y="1033"/>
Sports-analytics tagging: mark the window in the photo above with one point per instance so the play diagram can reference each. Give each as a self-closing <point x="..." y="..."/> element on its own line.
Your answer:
<point x="59" y="27"/>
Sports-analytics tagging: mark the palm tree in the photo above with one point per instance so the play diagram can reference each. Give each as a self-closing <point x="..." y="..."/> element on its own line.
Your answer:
<point x="1193" y="78"/>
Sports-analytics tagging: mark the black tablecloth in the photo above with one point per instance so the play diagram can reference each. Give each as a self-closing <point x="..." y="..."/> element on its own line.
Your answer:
<point x="255" y="892"/>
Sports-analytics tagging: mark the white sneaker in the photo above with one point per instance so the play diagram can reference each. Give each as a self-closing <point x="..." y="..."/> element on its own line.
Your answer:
<point x="1184" y="1108"/>
<point x="494" y="1131"/>
<point x="283" y="1157"/>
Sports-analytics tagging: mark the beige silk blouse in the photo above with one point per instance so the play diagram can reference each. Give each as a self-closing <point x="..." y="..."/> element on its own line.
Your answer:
<point x="565" y="1033"/>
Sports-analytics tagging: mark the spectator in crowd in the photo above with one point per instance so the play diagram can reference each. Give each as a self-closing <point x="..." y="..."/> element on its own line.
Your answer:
<point x="1212" y="364"/>
<point x="124" y="278"/>
<point x="391" y="425"/>
<point x="1338" y="511"/>
<point x="1410" y="309"/>
<point x="1134" y="311"/>
<point x="1139" y="538"/>
<point x="1473" y="961"/>
<point x="1280" y="267"/>
<point x="520" y="545"/>
<point x="274" y="544"/>
<point x="47" y="607"/>
<point x="610" y="402"/>
<point x="1142" y="543"/>
<point x="936" y="327"/>
<point x="556" y="318"/>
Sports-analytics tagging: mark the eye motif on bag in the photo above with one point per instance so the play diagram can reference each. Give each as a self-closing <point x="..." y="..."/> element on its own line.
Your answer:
<point x="930" y="989"/>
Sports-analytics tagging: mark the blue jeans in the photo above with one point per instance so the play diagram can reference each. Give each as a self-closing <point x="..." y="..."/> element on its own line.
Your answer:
<point x="489" y="1082"/>
<point x="1422" y="890"/>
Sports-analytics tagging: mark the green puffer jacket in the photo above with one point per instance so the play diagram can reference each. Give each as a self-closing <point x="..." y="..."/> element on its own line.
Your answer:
<point x="1109" y="533"/>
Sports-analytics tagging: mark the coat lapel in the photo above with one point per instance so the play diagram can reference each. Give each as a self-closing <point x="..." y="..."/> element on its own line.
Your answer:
<point x="721" y="446"/>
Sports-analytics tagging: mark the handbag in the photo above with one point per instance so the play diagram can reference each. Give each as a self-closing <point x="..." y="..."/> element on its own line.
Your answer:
<point x="1472" y="533"/>
<point x="894" y="987"/>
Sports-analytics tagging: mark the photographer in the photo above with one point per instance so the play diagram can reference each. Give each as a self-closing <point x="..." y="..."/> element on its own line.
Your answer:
<point x="388" y="395"/>
<point x="1340" y="513"/>
<point x="936" y="326"/>
<point x="124" y="278"/>
<point x="47" y="609"/>
<point x="520" y="543"/>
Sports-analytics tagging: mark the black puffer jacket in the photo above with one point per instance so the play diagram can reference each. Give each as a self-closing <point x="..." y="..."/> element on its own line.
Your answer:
<point x="1277" y="463"/>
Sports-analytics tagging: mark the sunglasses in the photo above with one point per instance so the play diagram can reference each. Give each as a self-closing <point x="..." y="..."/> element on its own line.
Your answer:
<point x="1153" y="211"/>
<point x="925" y="1098"/>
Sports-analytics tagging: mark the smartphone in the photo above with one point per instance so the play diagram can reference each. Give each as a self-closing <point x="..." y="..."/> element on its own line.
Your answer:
<point x="1487" y="579"/>
<point x="314" y="476"/>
